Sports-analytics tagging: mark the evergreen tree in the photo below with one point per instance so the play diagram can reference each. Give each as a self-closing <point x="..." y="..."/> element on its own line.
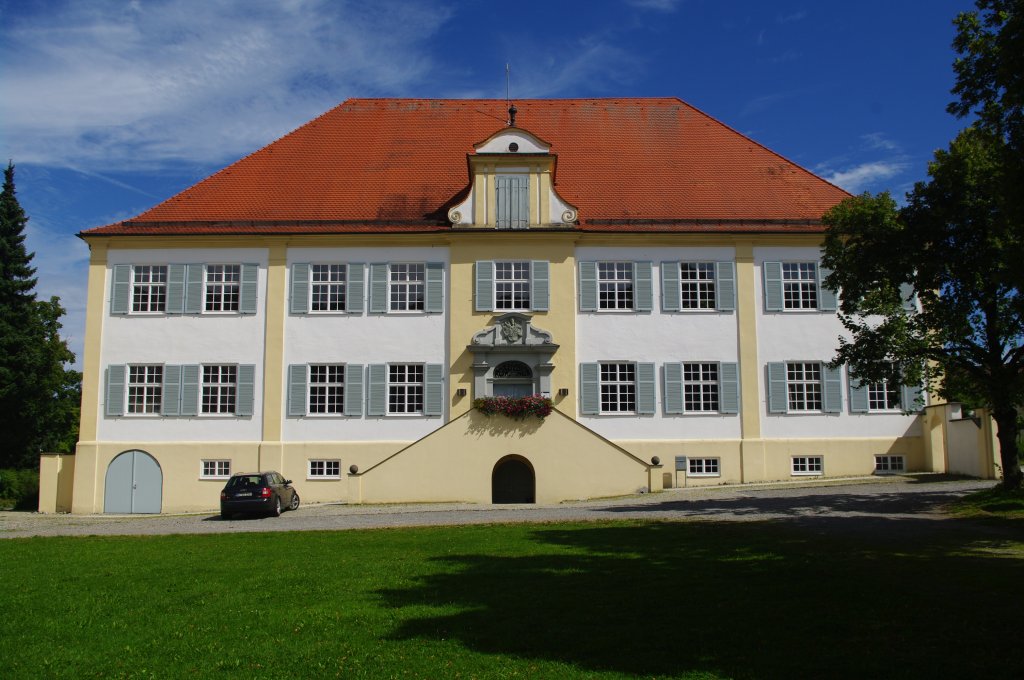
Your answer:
<point x="38" y="396"/>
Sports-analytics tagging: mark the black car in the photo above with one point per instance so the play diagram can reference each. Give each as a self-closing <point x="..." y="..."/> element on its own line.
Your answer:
<point x="265" y="493"/>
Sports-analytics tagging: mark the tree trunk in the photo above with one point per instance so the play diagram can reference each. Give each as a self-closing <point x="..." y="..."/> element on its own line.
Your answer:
<point x="1006" y="420"/>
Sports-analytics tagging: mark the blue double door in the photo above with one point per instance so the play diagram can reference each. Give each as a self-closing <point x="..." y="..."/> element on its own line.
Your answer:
<point x="134" y="484"/>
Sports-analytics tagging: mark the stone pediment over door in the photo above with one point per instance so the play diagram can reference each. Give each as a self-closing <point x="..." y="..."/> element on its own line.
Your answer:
<point x="512" y="337"/>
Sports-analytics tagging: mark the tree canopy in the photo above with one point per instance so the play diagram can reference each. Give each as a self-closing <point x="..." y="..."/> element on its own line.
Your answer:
<point x="39" y="395"/>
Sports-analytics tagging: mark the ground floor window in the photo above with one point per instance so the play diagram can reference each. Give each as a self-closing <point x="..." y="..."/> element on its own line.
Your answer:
<point x="324" y="469"/>
<point x="807" y="465"/>
<point x="215" y="469"/>
<point x="702" y="467"/>
<point x="888" y="464"/>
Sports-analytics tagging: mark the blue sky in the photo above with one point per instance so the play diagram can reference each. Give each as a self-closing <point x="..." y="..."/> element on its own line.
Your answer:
<point x="109" y="107"/>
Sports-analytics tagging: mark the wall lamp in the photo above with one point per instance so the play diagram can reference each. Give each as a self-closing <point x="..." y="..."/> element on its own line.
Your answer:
<point x="461" y="392"/>
<point x="563" y="391"/>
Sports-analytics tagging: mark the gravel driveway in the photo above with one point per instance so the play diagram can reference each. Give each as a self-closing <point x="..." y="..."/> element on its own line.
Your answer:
<point x="871" y="500"/>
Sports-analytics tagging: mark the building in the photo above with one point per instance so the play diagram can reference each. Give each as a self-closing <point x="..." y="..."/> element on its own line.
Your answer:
<point x="335" y="301"/>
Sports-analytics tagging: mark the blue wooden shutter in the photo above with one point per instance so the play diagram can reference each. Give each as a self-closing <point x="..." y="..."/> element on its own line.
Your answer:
<point x="908" y="297"/>
<point x="245" y="394"/>
<point x="778" y="393"/>
<point x="590" y="389"/>
<point x="435" y="288"/>
<point x="725" y="286"/>
<point x="540" y="285"/>
<point x="646" y="390"/>
<point x="299" y="293"/>
<point x="355" y="289"/>
<point x="170" y="402"/>
<point x="728" y="387"/>
<point x="502" y="202"/>
<point x="433" y="389"/>
<point x="175" y="288"/>
<point x="671" y="298"/>
<point x="115" y="389"/>
<point x="353" y="389"/>
<point x="912" y="398"/>
<point x="832" y="389"/>
<point x="190" y="389"/>
<point x="828" y="301"/>
<point x="588" y="286"/>
<point x="643" y="287"/>
<point x="772" y="286"/>
<point x="247" y="296"/>
<point x="194" y="288"/>
<point x="297" y="395"/>
<point x="121" y="289"/>
<point x="858" y="395"/>
<point x="520" y="201"/>
<point x="673" y="387"/>
<point x="484" y="293"/>
<point x="377" y="390"/>
<point x="378" y="288"/>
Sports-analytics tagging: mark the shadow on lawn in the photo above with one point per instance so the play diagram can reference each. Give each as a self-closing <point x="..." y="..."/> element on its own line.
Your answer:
<point x="802" y="598"/>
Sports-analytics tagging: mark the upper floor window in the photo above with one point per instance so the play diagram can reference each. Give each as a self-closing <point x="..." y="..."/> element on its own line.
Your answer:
<point x="885" y="396"/>
<point x="804" y="387"/>
<point x="223" y="287"/>
<point x="327" y="388"/>
<point x="325" y="288"/>
<point x="803" y="384"/>
<point x="701" y="387"/>
<point x="180" y="389"/>
<point x="697" y="285"/>
<point x="797" y="286"/>
<point x="145" y="388"/>
<point x="615" y="286"/>
<point x="149" y="288"/>
<point x="407" y="287"/>
<point x="508" y="286"/>
<point x="328" y="287"/>
<point x="405" y="388"/>
<point x="512" y="201"/>
<point x="511" y="285"/>
<point x="219" y="389"/>
<point x="617" y="387"/>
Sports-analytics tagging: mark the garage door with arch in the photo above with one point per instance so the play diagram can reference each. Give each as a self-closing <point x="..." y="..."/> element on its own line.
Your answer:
<point x="134" y="484"/>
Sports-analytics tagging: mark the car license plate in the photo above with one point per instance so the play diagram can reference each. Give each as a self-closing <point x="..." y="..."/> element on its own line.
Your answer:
<point x="244" y="493"/>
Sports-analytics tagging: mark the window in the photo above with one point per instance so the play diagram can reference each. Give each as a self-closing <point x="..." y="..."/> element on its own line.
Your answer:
<point x="618" y="388"/>
<point x="803" y="382"/>
<point x="807" y="465"/>
<point x="697" y="285"/>
<point x="615" y="285"/>
<point x="702" y="467"/>
<point x="215" y="469"/>
<point x="406" y="287"/>
<point x="405" y="388"/>
<point x="889" y="464"/>
<point x="149" y="288"/>
<point x="883" y="396"/>
<point x="511" y="285"/>
<point x="800" y="285"/>
<point x="220" y="389"/>
<point x="327" y="388"/>
<point x="700" y="387"/>
<point x="512" y="201"/>
<point x="328" y="287"/>
<point x="145" y="388"/>
<point x="324" y="469"/>
<point x="223" y="287"/>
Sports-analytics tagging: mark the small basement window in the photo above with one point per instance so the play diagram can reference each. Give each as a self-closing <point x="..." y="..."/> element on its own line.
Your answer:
<point x="807" y="465"/>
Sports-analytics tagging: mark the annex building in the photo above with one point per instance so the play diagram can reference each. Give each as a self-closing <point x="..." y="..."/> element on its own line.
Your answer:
<point x="331" y="305"/>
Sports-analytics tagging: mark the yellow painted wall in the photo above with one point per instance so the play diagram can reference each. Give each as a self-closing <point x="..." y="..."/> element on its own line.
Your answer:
<point x="56" y="479"/>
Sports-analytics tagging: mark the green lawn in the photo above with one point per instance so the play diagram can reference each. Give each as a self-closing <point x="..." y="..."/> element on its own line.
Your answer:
<point x="900" y="598"/>
<point x="991" y="503"/>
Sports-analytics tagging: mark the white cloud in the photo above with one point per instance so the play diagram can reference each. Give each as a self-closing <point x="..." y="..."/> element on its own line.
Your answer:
<point x="790" y="18"/>
<point x="104" y="85"/>
<point x="878" y="140"/>
<point x="865" y="175"/>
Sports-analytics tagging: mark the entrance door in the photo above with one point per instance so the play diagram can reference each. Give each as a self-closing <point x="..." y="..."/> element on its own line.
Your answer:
<point x="512" y="481"/>
<point x="134" y="484"/>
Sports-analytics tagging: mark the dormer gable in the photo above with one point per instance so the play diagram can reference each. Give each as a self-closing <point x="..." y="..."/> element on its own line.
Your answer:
<point x="512" y="185"/>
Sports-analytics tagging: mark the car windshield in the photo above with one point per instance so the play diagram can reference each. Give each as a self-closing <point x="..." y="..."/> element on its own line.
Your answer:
<point x="245" y="481"/>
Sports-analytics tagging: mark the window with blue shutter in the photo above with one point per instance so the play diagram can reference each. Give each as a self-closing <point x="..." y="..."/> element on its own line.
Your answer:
<point x="435" y="288"/>
<point x="588" y="286"/>
<point x="194" y="288"/>
<point x="539" y="285"/>
<point x="908" y="297"/>
<point x="832" y="389"/>
<point x="858" y="395"/>
<point x="356" y="288"/>
<point x="671" y="299"/>
<point x="913" y="398"/>
<point x="725" y="286"/>
<point x="121" y="289"/>
<point x="377" y="390"/>
<point x="643" y="287"/>
<point x="729" y="387"/>
<point x="433" y="390"/>
<point x="646" y="390"/>
<point x="590" y="389"/>
<point x="248" y="289"/>
<point x="297" y="376"/>
<point x="828" y="301"/>
<point x="115" y="390"/>
<point x="353" y="390"/>
<point x="190" y="389"/>
<point x="673" y="388"/>
<point x="378" y="288"/>
<point x="512" y="201"/>
<point x="246" y="395"/>
<point x="778" y="394"/>
<point x="772" y="286"/>
<point x="484" y="289"/>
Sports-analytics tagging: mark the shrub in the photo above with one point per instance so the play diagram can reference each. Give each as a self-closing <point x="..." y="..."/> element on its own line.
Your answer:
<point x="19" y="489"/>
<point x="515" y="407"/>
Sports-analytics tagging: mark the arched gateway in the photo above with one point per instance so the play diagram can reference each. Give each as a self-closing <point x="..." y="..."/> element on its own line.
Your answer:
<point x="134" y="484"/>
<point x="513" y="481"/>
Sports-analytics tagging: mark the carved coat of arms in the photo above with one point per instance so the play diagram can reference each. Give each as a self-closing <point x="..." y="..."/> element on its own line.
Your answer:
<point x="511" y="330"/>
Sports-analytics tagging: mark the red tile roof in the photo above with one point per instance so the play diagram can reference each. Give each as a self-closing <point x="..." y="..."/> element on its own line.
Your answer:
<point x="398" y="164"/>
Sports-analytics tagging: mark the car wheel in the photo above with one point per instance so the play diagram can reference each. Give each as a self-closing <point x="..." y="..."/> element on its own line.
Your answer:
<point x="277" y="507"/>
<point x="224" y="514"/>
<point x="294" y="505"/>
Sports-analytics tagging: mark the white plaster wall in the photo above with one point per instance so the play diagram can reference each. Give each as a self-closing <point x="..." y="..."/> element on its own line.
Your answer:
<point x="499" y="143"/>
<point x="810" y="336"/>
<point x="660" y="337"/>
<point x="184" y="339"/>
<point x="365" y="339"/>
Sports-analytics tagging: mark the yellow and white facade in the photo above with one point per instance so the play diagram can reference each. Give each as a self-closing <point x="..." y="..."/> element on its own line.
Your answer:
<point x="349" y="361"/>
